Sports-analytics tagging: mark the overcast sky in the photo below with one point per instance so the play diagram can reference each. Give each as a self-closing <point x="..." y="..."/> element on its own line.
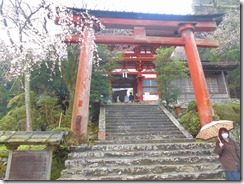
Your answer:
<point x="145" y="6"/>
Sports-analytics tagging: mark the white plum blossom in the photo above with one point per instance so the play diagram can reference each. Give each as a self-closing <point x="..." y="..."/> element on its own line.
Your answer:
<point x="31" y="36"/>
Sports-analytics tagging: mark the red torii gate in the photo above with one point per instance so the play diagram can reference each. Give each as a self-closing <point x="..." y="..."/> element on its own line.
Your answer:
<point x="148" y="29"/>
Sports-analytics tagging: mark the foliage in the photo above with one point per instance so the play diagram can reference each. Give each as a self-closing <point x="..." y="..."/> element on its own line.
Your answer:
<point x="230" y="111"/>
<point x="109" y="60"/>
<point x="101" y="75"/>
<point x="60" y="154"/>
<point x="168" y="70"/>
<point x="92" y="133"/>
<point x="101" y="88"/>
<point x="48" y="112"/>
<point x="228" y="36"/>
<point x="69" y="71"/>
<point x="192" y="105"/>
<point x="190" y="118"/>
<point x="31" y="147"/>
<point x="191" y="122"/>
<point x="15" y="118"/>
<point x="52" y="82"/>
<point x="234" y="82"/>
<point x="4" y="97"/>
<point x="44" y="109"/>
<point x="70" y="138"/>
<point x="3" y="160"/>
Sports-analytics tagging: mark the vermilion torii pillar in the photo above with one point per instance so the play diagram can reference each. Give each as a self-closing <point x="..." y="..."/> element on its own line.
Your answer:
<point x="139" y="86"/>
<point x="139" y="81"/>
<point x="80" y="115"/>
<point x="206" y="113"/>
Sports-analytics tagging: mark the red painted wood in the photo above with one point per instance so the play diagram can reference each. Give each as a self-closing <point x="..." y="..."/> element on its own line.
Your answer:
<point x="155" y="24"/>
<point x="205" y="109"/>
<point x="82" y="90"/>
<point x="139" y="32"/>
<point x="162" y="41"/>
<point x="139" y="87"/>
<point x="119" y="23"/>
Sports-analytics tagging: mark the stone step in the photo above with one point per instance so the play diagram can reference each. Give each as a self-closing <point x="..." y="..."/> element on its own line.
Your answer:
<point x="135" y="161"/>
<point x="135" y="118"/>
<point x="140" y="126"/>
<point x="131" y="113"/>
<point x="131" y="105"/>
<point x="146" y="134"/>
<point x="145" y="169"/>
<point x="132" y="109"/>
<point x="132" y="122"/>
<point x="144" y="146"/>
<point x="145" y="139"/>
<point x="137" y="131"/>
<point x="203" y="175"/>
<point x="148" y="141"/>
<point x="156" y="153"/>
<point x="138" y="121"/>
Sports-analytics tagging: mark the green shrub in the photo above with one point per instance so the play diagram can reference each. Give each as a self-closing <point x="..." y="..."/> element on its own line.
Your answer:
<point x="192" y="105"/>
<point x="191" y="122"/>
<point x="3" y="159"/>
<point x="229" y="111"/>
<point x="60" y="154"/>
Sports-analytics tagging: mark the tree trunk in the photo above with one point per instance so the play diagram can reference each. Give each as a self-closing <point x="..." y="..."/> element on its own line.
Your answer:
<point x="27" y="101"/>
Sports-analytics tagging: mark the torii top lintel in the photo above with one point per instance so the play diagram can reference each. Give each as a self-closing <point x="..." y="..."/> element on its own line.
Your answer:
<point x="159" y="29"/>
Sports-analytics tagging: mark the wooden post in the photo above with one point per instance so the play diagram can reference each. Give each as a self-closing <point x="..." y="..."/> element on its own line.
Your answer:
<point x="204" y="106"/>
<point x="140" y="87"/>
<point x="80" y="115"/>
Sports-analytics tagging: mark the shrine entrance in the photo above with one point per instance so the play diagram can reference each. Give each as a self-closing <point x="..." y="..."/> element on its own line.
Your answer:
<point x="144" y="30"/>
<point x="122" y="85"/>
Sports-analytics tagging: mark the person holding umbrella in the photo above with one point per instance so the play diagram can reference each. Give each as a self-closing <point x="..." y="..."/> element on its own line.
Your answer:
<point x="229" y="154"/>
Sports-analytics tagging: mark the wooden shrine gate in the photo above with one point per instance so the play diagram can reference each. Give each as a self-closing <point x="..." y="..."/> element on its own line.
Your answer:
<point x="147" y="29"/>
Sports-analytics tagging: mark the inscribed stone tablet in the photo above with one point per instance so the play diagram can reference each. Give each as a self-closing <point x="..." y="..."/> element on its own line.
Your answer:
<point x="30" y="165"/>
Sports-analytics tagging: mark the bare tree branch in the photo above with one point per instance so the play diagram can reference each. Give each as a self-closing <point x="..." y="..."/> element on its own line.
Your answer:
<point x="5" y="23"/>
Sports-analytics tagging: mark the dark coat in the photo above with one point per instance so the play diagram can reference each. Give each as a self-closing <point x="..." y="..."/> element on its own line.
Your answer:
<point x="229" y="154"/>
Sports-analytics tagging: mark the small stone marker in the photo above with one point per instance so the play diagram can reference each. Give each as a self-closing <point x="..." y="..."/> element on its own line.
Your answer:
<point x="29" y="165"/>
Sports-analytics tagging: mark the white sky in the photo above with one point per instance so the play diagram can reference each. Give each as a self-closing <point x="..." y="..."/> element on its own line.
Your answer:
<point x="145" y="6"/>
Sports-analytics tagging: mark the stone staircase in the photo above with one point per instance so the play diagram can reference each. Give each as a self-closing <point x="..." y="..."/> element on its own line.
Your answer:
<point x="142" y="143"/>
<point x="139" y="123"/>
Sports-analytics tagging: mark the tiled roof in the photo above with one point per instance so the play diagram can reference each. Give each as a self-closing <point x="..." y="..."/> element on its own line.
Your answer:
<point x="151" y="16"/>
<point x="219" y="65"/>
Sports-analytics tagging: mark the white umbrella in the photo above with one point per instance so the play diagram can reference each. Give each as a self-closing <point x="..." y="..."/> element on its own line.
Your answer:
<point x="211" y="130"/>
